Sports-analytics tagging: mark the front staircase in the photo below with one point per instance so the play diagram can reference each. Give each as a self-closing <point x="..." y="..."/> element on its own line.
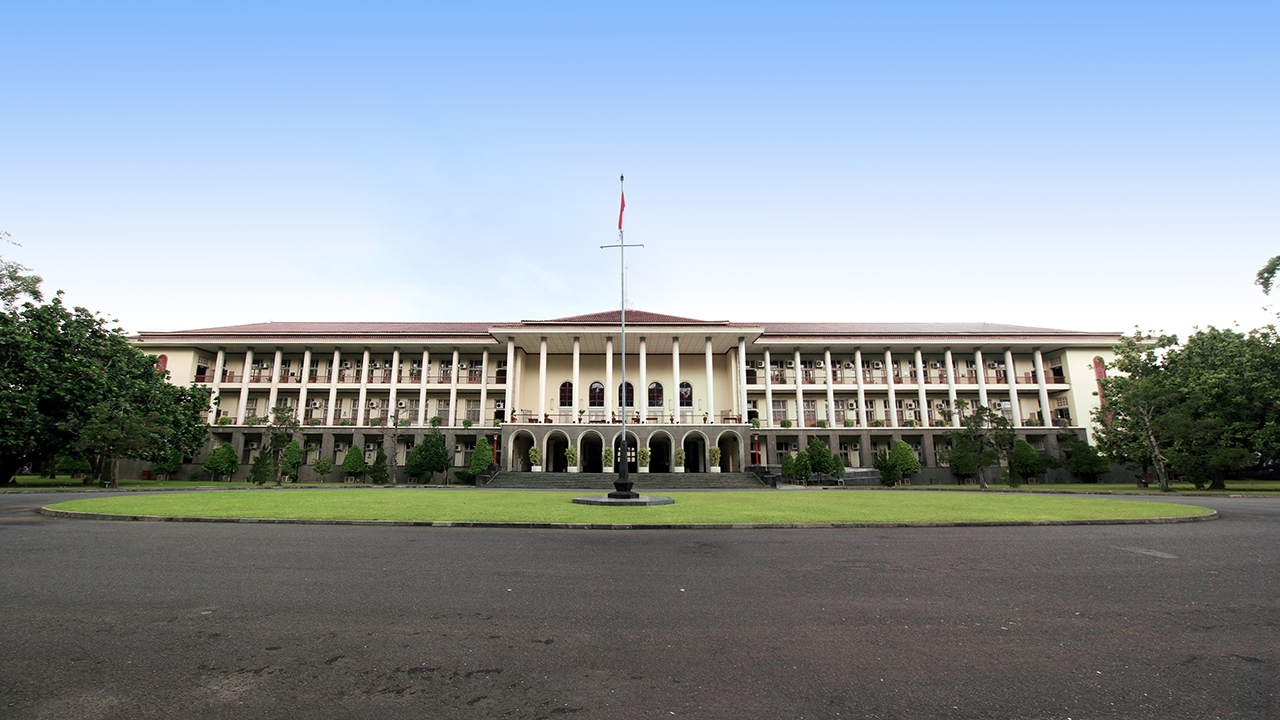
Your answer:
<point x="643" y="482"/>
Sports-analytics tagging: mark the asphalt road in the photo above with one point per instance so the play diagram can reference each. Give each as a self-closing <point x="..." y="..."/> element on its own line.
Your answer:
<point x="167" y="620"/>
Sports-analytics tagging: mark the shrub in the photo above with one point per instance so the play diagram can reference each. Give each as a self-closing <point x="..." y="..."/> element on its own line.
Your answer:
<point x="481" y="459"/>
<point x="535" y="457"/>
<point x="786" y="424"/>
<point x="642" y="456"/>
<point x="74" y="465"/>
<point x="822" y="423"/>
<point x="755" y="423"/>
<point x="571" y="456"/>
<point x="435" y="421"/>
<point x="353" y="462"/>
<point x="850" y="422"/>
<point x="323" y="466"/>
<point x="290" y="459"/>
<point x="713" y="455"/>
<point x="877" y="423"/>
<point x="222" y="461"/>
<point x="226" y="420"/>
<point x="898" y="463"/>
<point x="378" y="474"/>
<point x="788" y="466"/>
<point x="681" y="457"/>
<point x="1024" y="461"/>
<point x="820" y="458"/>
<point x="1082" y="459"/>
<point x="262" y="468"/>
<point x="801" y="468"/>
<point x="466" y="423"/>
<point x="606" y="458"/>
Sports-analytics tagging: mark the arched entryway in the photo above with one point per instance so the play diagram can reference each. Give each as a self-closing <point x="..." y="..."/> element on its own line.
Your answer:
<point x="592" y="448"/>
<point x="521" y="442"/>
<point x="660" y="453"/>
<point x="730" y="452"/>
<point x="630" y="456"/>
<point x="557" y="443"/>
<point x="695" y="453"/>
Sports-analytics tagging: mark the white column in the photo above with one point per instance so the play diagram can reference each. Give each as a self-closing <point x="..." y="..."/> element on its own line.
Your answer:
<point x="951" y="389"/>
<point x="519" y="378"/>
<point x="675" y="377"/>
<point x="511" y="379"/>
<point x="577" y="378"/>
<point x="244" y="387"/>
<point x="742" y="379"/>
<point x="922" y="398"/>
<point x="982" y="377"/>
<point x="609" y="390"/>
<point x="734" y="359"/>
<point x="453" y="391"/>
<point x="395" y="378"/>
<point x="274" y="393"/>
<point x="768" y="390"/>
<point x="218" y="364"/>
<point x="1045" y="417"/>
<point x="484" y="388"/>
<point x="799" y="389"/>
<point x="422" y="387"/>
<point x="831" y="391"/>
<point x="302" y="379"/>
<point x="644" y="384"/>
<point x="893" y="397"/>
<point x="333" y="387"/>
<point x="862" y="392"/>
<point x="711" y="396"/>
<point x="364" y="388"/>
<point x="1013" y="387"/>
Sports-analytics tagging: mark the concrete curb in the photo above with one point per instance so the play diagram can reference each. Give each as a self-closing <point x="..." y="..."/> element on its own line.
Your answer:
<point x="72" y="515"/>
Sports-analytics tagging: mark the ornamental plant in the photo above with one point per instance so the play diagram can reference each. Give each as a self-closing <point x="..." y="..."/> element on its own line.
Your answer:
<point x="681" y="456"/>
<point x="606" y="458"/>
<point x="535" y="457"/>
<point x="571" y="456"/>
<point x="642" y="456"/>
<point x="714" y="455"/>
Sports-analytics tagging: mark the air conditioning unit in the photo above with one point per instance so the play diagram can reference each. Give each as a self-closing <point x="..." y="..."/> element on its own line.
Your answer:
<point x="795" y="447"/>
<point x="415" y="365"/>
<point x="992" y="365"/>
<point x="373" y="403"/>
<point x="401" y="404"/>
<point x="462" y="366"/>
<point x="346" y="365"/>
<point x="1005" y="404"/>
<point x="253" y="445"/>
<point x="853" y="404"/>
<point x="293" y="373"/>
<point x="940" y="407"/>
<point x="819" y="364"/>
<point x="499" y="404"/>
<point x="791" y="363"/>
<point x="877" y="365"/>
<point x="911" y="405"/>
<point x="457" y="448"/>
<point x="369" y="447"/>
<point x="935" y="365"/>
<point x="339" y="447"/>
<point x="317" y="404"/>
<point x="760" y="364"/>
<point x="848" y="365"/>
<point x="375" y="366"/>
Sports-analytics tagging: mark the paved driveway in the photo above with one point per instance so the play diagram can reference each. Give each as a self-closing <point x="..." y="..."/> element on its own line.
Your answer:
<point x="141" y="620"/>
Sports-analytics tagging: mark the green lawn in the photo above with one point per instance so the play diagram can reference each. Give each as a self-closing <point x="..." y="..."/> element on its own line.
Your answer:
<point x="690" y="508"/>
<point x="1233" y="487"/>
<point x="34" y="481"/>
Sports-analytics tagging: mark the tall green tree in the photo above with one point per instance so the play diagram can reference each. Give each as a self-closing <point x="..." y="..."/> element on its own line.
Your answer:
<point x="353" y="462"/>
<point x="821" y="459"/>
<point x="985" y="436"/>
<point x="435" y="453"/>
<point x="378" y="474"/>
<point x="481" y="459"/>
<point x="263" y="467"/>
<point x="290" y="460"/>
<point x="1081" y="459"/>
<point x="1024" y="462"/>
<point x="15" y="283"/>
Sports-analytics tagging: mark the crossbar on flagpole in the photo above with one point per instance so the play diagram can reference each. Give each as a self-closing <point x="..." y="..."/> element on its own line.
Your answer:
<point x="622" y="487"/>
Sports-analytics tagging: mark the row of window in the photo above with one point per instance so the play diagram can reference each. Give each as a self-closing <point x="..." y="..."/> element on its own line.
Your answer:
<point x="595" y="395"/>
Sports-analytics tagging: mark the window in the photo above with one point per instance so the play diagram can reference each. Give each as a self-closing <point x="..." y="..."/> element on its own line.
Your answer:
<point x="566" y="394"/>
<point x="810" y="412"/>
<point x="631" y="396"/>
<point x="473" y="410"/>
<point x="595" y="395"/>
<point x="686" y="395"/>
<point x="655" y="395"/>
<point x="779" y="411"/>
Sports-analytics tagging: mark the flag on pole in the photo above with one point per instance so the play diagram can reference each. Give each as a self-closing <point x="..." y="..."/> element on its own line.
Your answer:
<point x="624" y="207"/>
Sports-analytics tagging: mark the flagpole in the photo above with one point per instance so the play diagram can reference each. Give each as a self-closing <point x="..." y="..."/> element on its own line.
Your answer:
<point x="622" y="486"/>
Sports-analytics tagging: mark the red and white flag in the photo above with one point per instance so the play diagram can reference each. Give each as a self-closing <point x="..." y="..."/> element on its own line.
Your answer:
<point x="621" y="209"/>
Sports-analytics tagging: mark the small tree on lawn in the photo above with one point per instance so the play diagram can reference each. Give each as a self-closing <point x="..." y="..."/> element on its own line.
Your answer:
<point x="437" y="456"/>
<point x="322" y="466"/>
<point x="222" y="462"/>
<point x="263" y="468"/>
<point x="821" y="460"/>
<point x="1082" y="459"/>
<point x="1024" y="462"/>
<point x="353" y="462"/>
<point x="802" y="469"/>
<point x="788" y="467"/>
<point x="898" y="463"/>
<point x="481" y="459"/>
<point x="961" y="457"/>
<point x="290" y="459"/>
<point x="415" y="466"/>
<point x="168" y="464"/>
<point x="378" y="474"/>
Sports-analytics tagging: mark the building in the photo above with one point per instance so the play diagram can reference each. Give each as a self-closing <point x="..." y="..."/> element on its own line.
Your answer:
<point x="754" y="390"/>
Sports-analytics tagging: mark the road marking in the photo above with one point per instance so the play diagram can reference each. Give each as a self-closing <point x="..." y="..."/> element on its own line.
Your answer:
<point x="1152" y="553"/>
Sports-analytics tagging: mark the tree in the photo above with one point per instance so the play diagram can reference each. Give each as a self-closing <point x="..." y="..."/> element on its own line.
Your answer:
<point x="13" y="283"/>
<point x="323" y="466"/>
<point x="1267" y="274"/>
<point x="378" y="474"/>
<point x="822" y="460"/>
<point x="284" y="423"/>
<point x="1081" y="459"/>
<point x="984" y="438"/>
<point x="481" y="459"/>
<point x="353" y="463"/>
<point x="788" y="467"/>
<point x="169" y="464"/>
<point x="801" y="468"/>
<point x="62" y="368"/>
<point x="263" y="468"/>
<point x="436" y="455"/>
<point x="899" y="463"/>
<point x="1024" y="462"/>
<point x="415" y="466"/>
<point x="290" y="459"/>
<point x="222" y="461"/>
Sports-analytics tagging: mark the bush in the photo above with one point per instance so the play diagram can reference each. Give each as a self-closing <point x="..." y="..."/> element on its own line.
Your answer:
<point x="820" y="458"/>
<point x="291" y="459"/>
<point x="466" y="423"/>
<point x="1024" y="461"/>
<point x="262" y="468"/>
<point x="822" y="423"/>
<point x="571" y="456"/>
<point x="898" y="463"/>
<point x="606" y="458"/>
<point x="226" y="420"/>
<point x="642" y="456"/>
<point x="378" y="474"/>
<point x="786" y="424"/>
<point x="167" y="464"/>
<point x="713" y="455"/>
<point x="73" y="465"/>
<point x="850" y="422"/>
<point x="681" y="457"/>
<point x="353" y="462"/>
<point x="1082" y="459"/>
<point x="435" y="421"/>
<point x="323" y="466"/>
<point x="788" y="466"/>
<point x="755" y="423"/>
<point x="535" y="457"/>
<point x="481" y="459"/>
<point x="222" y="461"/>
<point x="801" y="468"/>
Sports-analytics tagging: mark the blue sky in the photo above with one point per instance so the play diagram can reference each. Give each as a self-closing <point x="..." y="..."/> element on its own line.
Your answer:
<point x="1087" y="165"/>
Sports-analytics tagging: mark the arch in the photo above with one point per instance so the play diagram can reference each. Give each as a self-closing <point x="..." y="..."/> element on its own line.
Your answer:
<point x="686" y="395"/>
<point x="661" y="451"/>
<point x="631" y="396"/>
<point x="731" y="451"/>
<point x="554" y="457"/>
<point x="518" y="446"/>
<point x="162" y="363"/>
<point x="695" y="444"/>
<point x="566" y="394"/>
<point x="595" y="394"/>
<point x="590" y="449"/>
<point x="633" y="442"/>
<point x="656" y="398"/>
